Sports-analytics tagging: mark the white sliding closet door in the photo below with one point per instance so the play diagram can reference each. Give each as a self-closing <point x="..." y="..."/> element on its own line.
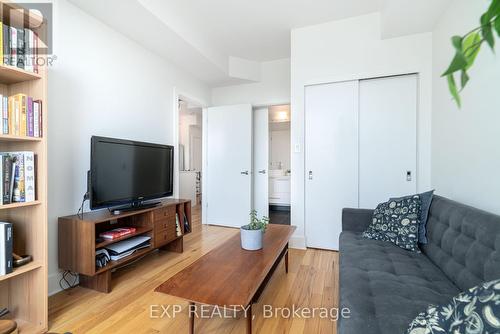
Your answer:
<point x="228" y="178"/>
<point x="331" y="155"/>
<point x="387" y="138"/>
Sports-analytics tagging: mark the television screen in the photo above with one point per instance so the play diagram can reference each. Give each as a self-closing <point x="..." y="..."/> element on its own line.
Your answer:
<point x="125" y="171"/>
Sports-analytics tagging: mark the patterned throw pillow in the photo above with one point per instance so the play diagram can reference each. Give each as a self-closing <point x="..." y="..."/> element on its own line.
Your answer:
<point x="476" y="311"/>
<point x="396" y="221"/>
<point x="425" y="206"/>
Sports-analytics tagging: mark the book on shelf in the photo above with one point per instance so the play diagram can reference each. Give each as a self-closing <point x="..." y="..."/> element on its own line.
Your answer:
<point x="117" y="233"/>
<point x="187" y="228"/>
<point x="178" y="231"/>
<point x="5" y="44"/>
<point x="13" y="45"/>
<point x="5" y="114"/>
<point x="21" y="116"/>
<point x="7" y="178"/>
<point x="19" y="47"/>
<point x="18" y="177"/>
<point x="6" y="248"/>
<point x="23" y="119"/>
<point x="29" y="117"/>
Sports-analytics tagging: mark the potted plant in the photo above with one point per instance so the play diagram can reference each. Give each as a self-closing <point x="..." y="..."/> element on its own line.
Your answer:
<point x="253" y="233"/>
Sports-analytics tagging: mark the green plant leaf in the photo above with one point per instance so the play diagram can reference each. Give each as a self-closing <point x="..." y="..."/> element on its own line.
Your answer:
<point x="487" y="31"/>
<point x="471" y="46"/>
<point x="497" y="25"/>
<point x="464" y="79"/>
<point x="453" y="90"/>
<point x="457" y="42"/>
<point x="458" y="63"/>
<point x="493" y="10"/>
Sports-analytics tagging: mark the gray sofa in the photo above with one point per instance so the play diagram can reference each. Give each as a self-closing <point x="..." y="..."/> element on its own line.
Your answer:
<point x="385" y="287"/>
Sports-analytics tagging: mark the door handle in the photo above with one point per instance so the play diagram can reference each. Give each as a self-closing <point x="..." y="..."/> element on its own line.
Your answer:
<point x="408" y="176"/>
<point x="245" y="172"/>
<point x="310" y="175"/>
<point x="262" y="171"/>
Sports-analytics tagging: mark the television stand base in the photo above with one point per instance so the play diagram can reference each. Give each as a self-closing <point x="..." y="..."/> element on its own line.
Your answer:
<point x="133" y="207"/>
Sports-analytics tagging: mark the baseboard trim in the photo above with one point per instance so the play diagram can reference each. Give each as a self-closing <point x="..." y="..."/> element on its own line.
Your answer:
<point x="297" y="242"/>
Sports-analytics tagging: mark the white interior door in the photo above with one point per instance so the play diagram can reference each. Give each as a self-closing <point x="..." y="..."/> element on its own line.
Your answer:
<point x="227" y="177"/>
<point x="331" y="155"/>
<point x="388" y="138"/>
<point x="261" y="161"/>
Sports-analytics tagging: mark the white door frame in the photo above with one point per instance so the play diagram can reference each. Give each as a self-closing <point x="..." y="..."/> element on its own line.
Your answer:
<point x="262" y="210"/>
<point x="177" y="94"/>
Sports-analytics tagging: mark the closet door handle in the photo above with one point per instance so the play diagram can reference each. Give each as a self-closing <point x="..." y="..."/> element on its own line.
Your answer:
<point x="245" y="172"/>
<point x="262" y="171"/>
<point x="310" y="175"/>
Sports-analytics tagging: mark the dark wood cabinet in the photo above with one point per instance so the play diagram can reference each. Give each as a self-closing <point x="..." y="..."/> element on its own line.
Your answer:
<point x="79" y="238"/>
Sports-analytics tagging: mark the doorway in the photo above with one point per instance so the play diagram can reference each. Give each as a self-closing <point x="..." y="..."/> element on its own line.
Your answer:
<point x="272" y="154"/>
<point x="190" y="151"/>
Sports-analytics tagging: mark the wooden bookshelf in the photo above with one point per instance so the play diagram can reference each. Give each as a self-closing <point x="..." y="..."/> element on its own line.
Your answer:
<point x="24" y="291"/>
<point x="21" y="270"/>
<point x="10" y="75"/>
<point x="18" y="205"/>
<point x="19" y="138"/>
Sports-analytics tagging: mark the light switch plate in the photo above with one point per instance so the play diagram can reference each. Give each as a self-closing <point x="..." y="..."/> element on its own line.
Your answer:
<point x="297" y="148"/>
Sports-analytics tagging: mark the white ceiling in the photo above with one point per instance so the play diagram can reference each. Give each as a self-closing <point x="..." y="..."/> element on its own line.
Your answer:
<point x="257" y="29"/>
<point x="202" y="36"/>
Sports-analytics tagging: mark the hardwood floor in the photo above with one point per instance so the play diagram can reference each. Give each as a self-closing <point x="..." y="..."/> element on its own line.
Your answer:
<point x="312" y="281"/>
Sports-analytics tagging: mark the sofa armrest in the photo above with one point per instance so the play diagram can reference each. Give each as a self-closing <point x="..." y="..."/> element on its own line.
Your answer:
<point x="356" y="220"/>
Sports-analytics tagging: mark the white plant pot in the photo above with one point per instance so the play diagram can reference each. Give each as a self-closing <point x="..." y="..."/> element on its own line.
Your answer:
<point x="251" y="239"/>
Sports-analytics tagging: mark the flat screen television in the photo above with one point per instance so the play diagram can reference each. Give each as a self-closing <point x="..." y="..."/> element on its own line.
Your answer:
<point x="126" y="172"/>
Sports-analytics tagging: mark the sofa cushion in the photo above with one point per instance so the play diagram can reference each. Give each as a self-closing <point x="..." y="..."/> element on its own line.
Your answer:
<point x="473" y="311"/>
<point x="396" y="221"/>
<point x="464" y="242"/>
<point x="385" y="286"/>
<point x="425" y="205"/>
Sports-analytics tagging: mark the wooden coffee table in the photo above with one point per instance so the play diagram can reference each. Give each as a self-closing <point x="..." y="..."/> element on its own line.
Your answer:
<point x="230" y="276"/>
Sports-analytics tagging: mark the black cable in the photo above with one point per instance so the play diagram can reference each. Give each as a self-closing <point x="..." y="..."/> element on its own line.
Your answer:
<point x="81" y="209"/>
<point x="69" y="285"/>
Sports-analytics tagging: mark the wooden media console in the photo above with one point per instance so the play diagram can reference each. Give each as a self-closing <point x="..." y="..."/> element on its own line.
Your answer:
<point x="79" y="238"/>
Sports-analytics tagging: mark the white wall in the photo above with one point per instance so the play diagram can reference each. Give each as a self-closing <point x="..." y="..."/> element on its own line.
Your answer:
<point x="101" y="84"/>
<point x="352" y="49"/>
<point x="465" y="142"/>
<point x="273" y="88"/>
